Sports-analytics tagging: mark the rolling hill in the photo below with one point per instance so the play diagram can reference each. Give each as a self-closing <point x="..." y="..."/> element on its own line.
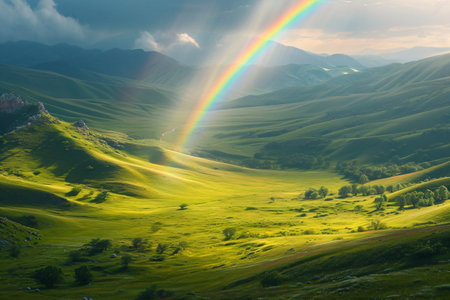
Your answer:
<point x="398" y="113"/>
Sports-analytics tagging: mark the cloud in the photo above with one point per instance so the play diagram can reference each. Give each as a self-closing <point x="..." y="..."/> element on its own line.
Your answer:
<point x="43" y="23"/>
<point x="184" y="38"/>
<point x="165" y="43"/>
<point x="147" y="42"/>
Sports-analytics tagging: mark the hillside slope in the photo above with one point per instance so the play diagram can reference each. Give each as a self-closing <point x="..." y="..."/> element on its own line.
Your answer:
<point x="398" y="113"/>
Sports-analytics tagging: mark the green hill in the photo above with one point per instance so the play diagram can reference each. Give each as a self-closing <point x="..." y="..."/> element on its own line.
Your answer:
<point x="394" y="114"/>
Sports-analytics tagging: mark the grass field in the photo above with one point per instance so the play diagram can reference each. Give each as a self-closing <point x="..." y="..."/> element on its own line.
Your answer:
<point x="145" y="186"/>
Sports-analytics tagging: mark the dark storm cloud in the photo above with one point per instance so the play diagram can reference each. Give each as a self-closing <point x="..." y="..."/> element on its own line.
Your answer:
<point x="154" y="15"/>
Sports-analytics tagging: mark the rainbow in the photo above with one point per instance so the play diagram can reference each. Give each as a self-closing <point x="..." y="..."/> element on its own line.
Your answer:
<point x="294" y="14"/>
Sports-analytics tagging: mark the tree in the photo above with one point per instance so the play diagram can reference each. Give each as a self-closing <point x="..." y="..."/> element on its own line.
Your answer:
<point x="354" y="189"/>
<point x="401" y="201"/>
<point x="161" y="248"/>
<point x="14" y="251"/>
<point x="377" y="225"/>
<point x="82" y="275"/>
<point x="323" y="191"/>
<point x="311" y="194"/>
<point x="344" y="191"/>
<point x="441" y="194"/>
<point x="364" y="190"/>
<point x="137" y="243"/>
<point x="49" y="276"/>
<point x="96" y="246"/>
<point x="414" y="199"/>
<point x="183" y="206"/>
<point x="153" y="293"/>
<point x="229" y="233"/>
<point x="379" y="203"/>
<point x="126" y="260"/>
<point x="363" y="179"/>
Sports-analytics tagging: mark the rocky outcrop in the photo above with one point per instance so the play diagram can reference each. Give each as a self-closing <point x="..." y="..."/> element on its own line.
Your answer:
<point x="16" y="114"/>
<point x="81" y="124"/>
<point x="9" y="103"/>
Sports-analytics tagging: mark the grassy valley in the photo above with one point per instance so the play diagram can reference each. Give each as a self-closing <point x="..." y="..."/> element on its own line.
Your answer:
<point x="333" y="189"/>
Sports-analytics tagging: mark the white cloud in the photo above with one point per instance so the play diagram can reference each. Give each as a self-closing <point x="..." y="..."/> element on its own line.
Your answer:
<point x="165" y="43"/>
<point x="18" y="21"/>
<point x="147" y="42"/>
<point x="184" y="38"/>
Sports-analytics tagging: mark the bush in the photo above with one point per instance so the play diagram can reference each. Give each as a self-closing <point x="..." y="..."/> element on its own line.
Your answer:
<point x="49" y="276"/>
<point x="153" y="293"/>
<point x="138" y="243"/>
<point x="229" y="233"/>
<point x="76" y="256"/>
<point x="74" y="192"/>
<point x="311" y="194"/>
<point x="183" y="206"/>
<point x="361" y="229"/>
<point x="82" y="275"/>
<point x="100" y="198"/>
<point x="272" y="278"/>
<point x="323" y="192"/>
<point x="344" y="191"/>
<point x="378" y="225"/>
<point x="161" y="248"/>
<point x="14" y="251"/>
<point x="126" y="260"/>
<point x="308" y="232"/>
<point x="97" y="246"/>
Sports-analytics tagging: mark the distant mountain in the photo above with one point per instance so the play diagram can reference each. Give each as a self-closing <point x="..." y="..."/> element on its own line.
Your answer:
<point x="414" y="54"/>
<point x="278" y="54"/>
<point x="394" y="114"/>
<point x="73" y="61"/>
<point x="402" y="56"/>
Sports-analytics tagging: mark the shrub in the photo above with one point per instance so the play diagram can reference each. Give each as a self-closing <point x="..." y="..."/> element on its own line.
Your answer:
<point x="323" y="191"/>
<point x="161" y="248"/>
<point x="138" y="243"/>
<point x="49" y="276"/>
<point x="153" y="293"/>
<point x="82" y="275"/>
<point x="156" y="226"/>
<point x="272" y="278"/>
<point x="311" y="194"/>
<point x="76" y="256"/>
<point x="14" y="251"/>
<point x="97" y="246"/>
<point x="308" y="232"/>
<point x="74" y="192"/>
<point x="126" y="260"/>
<point x="378" y="225"/>
<point x="344" y="191"/>
<point x="100" y="198"/>
<point x="229" y="233"/>
<point x="183" y="206"/>
<point x="361" y="229"/>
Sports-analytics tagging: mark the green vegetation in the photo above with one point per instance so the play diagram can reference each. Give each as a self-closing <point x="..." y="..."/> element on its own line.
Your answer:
<point x="49" y="276"/>
<point x="82" y="275"/>
<point x="320" y="218"/>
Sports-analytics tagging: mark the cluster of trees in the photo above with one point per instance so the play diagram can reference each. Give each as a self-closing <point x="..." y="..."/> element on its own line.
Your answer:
<point x="423" y="199"/>
<point x="364" y="190"/>
<point x="50" y="276"/>
<point x="302" y="161"/>
<point x="312" y="193"/>
<point x="365" y="173"/>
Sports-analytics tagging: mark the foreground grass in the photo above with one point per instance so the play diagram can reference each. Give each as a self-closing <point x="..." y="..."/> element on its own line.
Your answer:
<point x="273" y="224"/>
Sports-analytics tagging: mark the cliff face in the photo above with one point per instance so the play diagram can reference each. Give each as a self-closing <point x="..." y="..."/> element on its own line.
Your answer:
<point x="16" y="114"/>
<point x="10" y="103"/>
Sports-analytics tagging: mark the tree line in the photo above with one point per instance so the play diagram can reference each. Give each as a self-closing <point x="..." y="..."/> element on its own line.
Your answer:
<point x="365" y="173"/>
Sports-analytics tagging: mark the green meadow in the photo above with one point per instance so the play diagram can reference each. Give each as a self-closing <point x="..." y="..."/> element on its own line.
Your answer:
<point x="80" y="185"/>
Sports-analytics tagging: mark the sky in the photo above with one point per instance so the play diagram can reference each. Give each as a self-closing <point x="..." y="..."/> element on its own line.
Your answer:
<point x="183" y="26"/>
